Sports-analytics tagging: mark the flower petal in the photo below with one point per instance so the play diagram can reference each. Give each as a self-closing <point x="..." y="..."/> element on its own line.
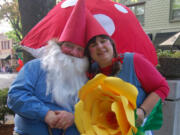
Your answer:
<point x="90" y="85"/>
<point x="129" y="112"/>
<point x="120" y="87"/>
<point x="78" y="119"/>
<point x="106" y="107"/>
<point x="92" y="96"/>
<point x="121" y="117"/>
<point x="82" y="120"/>
<point x="100" y="131"/>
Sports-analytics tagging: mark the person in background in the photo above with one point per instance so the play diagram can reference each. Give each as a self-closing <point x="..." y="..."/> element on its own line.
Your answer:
<point x="46" y="89"/>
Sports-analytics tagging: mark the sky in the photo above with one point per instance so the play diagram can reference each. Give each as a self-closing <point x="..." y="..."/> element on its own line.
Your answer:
<point x="4" y="27"/>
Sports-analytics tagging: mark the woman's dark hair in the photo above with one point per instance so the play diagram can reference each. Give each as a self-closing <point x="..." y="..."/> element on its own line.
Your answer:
<point x="116" y="65"/>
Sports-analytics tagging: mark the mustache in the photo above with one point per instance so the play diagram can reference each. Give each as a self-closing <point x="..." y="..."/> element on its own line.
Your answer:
<point x="52" y="54"/>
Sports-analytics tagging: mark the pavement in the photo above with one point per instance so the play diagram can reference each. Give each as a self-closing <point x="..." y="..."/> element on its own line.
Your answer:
<point x="6" y="79"/>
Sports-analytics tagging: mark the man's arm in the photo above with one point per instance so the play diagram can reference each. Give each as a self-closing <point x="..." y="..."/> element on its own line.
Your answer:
<point x="21" y="96"/>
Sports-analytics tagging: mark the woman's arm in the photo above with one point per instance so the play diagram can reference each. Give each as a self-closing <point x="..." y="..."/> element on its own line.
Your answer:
<point x="152" y="82"/>
<point x="149" y="77"/>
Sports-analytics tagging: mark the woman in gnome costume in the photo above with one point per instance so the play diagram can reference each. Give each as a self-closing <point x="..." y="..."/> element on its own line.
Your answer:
<point x="45" y="91"/>
<point x="131" y="67"/>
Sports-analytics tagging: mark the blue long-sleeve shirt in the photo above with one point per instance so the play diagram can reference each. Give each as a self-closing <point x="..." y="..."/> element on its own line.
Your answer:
<point x="27" y="98"/>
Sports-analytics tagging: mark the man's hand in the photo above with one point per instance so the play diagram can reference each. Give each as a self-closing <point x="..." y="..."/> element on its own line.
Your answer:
<point x="51" y="119"/>
<point x="65" y="119"/>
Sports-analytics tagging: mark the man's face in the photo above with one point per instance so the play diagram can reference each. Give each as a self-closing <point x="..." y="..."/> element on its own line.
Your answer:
<point x="72" y="49"/>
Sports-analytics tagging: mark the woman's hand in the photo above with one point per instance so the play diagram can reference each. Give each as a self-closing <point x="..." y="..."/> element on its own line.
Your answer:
<point x="140" y="117"/>
<point x="65" y="119"/>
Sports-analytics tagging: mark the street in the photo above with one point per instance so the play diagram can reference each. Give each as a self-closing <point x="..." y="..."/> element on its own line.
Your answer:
<point x="6" y="79"/>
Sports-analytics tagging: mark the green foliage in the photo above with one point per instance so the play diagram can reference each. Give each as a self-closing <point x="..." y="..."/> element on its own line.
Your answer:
<point x="168" y="53"/>
<point x="9" y="11"/>
<point x="16" y="47"/>
<point x="16" y="41"/>
<point x="57" y="1"/>
<point x="176" y="54"/>
<point x="125" y="1"/>
<point x="154" y="120"/>
<point x="12" y="35"/>
<point x="164" y="53"/>
<point x="116" y="0"/>
<point x="4" y="110"/>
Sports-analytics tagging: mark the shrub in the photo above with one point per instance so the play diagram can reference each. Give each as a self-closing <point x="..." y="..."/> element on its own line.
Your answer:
<point x="4" y="110"/>
<point x="169" y="61"/>
<point x="168" y="53"/>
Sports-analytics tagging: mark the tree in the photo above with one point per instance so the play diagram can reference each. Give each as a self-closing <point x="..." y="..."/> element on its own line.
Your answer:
<point x="12" y="35"/>
<point x="9" y="11"/>
<point x="24" y="15"/>
<point x="57" y="1"/>
<point x="32" y="11"/>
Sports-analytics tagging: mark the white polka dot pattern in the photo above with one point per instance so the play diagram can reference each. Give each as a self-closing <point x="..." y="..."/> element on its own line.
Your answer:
<point x="68" y="3"/>
<point x="106" y="22"/>
<point x="120" y="8"/>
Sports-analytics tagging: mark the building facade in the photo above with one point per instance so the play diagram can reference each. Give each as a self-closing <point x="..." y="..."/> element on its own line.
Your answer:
<point x="7" y="60"/>
<point x="160" y="19"/>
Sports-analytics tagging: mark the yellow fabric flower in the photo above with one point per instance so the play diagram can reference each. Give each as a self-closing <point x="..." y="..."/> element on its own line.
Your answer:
<point x="106" y="107"/>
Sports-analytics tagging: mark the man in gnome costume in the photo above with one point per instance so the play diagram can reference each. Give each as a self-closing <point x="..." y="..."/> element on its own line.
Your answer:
<point x="46" y="89"/>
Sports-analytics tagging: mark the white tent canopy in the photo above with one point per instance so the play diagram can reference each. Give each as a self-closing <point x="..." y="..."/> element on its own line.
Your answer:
<point x="172" y="41"/>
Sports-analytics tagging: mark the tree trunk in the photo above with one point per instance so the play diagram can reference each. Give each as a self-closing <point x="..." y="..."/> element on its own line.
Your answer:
<point x="32" y="11"/>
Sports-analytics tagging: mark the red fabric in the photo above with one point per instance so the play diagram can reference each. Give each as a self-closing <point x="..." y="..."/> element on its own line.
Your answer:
<point x="119" y="58"/>
<point x="89" y="75"/>
<point x="149" y="77"/>
<point x="128" y="35"/>
<point x="107" y="70"/>
<point x="93" y="28"/>
<point x="51" y="26"/>
<point x="21" y="64"/>
<point x="75" y="27"/>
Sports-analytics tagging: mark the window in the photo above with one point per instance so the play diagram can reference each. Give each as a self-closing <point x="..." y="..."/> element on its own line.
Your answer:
<point x="8" y="45"/>
<point x="5" y="45"/>
<point x="137" y="6"/>
<point x="138" y="10"/>
<point x="175" y="10"/>
<point x="1" y="44"/>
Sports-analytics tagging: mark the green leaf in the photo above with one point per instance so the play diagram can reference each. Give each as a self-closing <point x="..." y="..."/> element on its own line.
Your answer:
<point x="155" y="118"/>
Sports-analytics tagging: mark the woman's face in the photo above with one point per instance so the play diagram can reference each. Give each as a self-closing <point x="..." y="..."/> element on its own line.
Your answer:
<point x="101" y="51"/>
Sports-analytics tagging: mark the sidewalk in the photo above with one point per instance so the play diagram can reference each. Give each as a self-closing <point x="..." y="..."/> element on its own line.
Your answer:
<point x="6" y="79"/>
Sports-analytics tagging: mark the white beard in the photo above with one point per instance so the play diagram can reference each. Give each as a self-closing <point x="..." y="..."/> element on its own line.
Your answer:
<point x="65" y="75"/>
